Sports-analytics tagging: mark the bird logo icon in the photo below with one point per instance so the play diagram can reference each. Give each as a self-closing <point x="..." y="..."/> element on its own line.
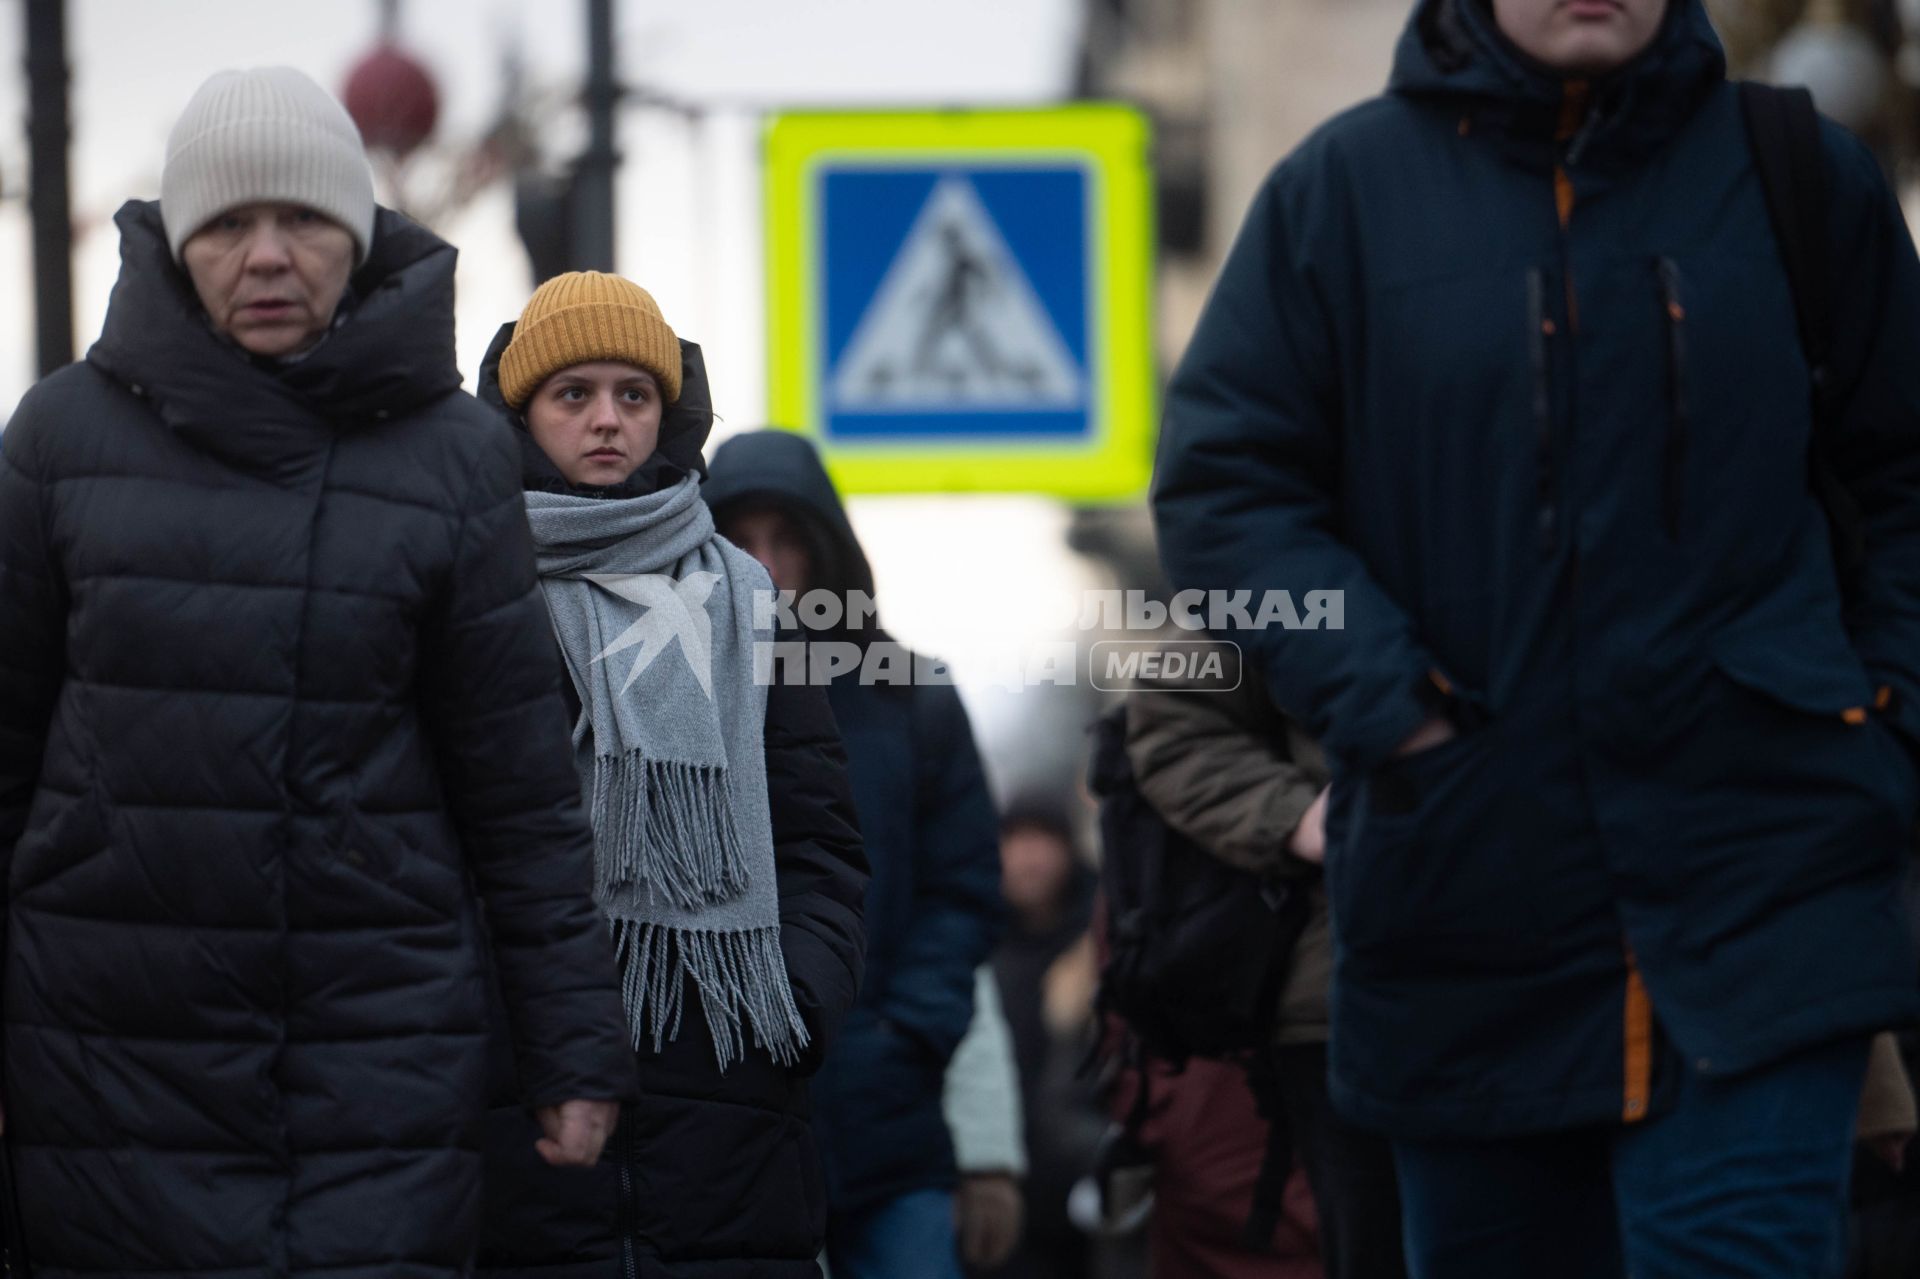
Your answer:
<point x="676" y="609"/>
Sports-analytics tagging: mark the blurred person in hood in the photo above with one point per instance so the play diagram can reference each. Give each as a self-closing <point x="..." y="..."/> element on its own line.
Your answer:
<point x="933" y="907"/>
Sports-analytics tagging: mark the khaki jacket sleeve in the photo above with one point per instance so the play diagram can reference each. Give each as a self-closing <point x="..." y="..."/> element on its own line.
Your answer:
<point x="1225" y="770"/>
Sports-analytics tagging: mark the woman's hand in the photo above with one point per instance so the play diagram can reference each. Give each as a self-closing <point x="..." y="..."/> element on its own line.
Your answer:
<point x="576" y="1132"/>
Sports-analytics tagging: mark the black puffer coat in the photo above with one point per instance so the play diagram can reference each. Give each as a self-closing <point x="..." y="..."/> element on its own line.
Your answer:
<point x="709" y="1176"/>
<point x="279" y="713"/>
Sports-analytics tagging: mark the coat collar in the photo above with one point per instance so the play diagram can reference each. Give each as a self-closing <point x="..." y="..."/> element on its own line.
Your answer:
<point x="1452" y="54"/>
<point x="393" y="355"/>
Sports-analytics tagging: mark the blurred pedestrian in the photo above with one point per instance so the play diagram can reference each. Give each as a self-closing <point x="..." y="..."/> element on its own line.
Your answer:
<point x="1046" y="972"/>
<point x="982" y="1106"/>
<point x="279" y="716"/>
<point x="728" y="863"/>
<point x="1229" y="771"/>
<point x="933" y="906"/>
<point x="1507" y="362"/>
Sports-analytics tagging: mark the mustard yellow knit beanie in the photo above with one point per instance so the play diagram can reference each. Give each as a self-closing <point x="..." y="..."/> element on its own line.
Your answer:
<point x="585" y="316"/>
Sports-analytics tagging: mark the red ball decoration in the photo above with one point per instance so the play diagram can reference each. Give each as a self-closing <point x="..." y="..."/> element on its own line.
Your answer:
<point x="393" y="99"/>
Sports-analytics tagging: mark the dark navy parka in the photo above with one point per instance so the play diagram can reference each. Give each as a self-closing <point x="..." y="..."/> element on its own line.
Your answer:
<point x="1513" y="364"/>
<point x="933" y="908"/>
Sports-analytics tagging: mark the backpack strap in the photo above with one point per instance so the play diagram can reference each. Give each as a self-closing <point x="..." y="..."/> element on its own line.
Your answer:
<point x="1783" y="130"/>
<point x="1129" y="902"/>
<point x="1276" y="1160"/>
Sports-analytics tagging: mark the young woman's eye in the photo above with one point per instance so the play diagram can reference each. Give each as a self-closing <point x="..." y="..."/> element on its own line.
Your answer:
<point x="636" y="395"/>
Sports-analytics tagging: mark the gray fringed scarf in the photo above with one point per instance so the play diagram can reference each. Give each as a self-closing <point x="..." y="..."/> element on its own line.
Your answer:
<point x="655" y="616"/>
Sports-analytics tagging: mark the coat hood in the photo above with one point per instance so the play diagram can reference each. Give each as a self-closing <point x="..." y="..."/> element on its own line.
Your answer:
<point x="783" y="470"/>
<point x="390" y="353"/>
<point x="1452" y="53"/>
<point x="684" y="427"/>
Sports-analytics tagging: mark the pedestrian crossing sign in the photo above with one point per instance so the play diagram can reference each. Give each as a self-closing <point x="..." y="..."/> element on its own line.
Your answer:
<point x="961" y="300"/>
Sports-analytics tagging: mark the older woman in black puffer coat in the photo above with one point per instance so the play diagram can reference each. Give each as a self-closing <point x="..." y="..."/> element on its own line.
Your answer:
<point x="279" y="718"/>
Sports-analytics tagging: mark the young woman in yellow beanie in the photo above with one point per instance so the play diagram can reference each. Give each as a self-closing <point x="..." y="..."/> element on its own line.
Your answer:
<point x="728" y="865"/>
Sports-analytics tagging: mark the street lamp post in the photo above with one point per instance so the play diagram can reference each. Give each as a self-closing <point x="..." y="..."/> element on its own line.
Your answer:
<point x="566" y="220"/>
<point x="593" y="180"/>
<point x="48" y="199"/>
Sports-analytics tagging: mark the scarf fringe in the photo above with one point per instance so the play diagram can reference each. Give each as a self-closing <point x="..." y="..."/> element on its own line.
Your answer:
<point x="666" y="828"/>
<point x="741" y="978"/>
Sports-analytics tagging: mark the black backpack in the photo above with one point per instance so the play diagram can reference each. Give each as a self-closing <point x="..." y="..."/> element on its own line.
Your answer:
<point x="1197" y="952"/>
<point x="1783" y="130"/>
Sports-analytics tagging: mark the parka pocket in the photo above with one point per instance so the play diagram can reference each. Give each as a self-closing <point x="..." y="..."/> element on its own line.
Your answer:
<point x="1807" y="667"/>
<point x="1798" y="746"/>
<point x="1443" y="877"/>
<point x="1805" y="696"/>
<point x="1400" y="784"/>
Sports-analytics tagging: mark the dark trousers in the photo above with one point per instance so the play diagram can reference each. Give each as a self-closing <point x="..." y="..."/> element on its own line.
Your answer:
<point x="1885" y="1234"/>
<point x="1351" y="1173"/>
<point x="1745" y="1177"/>
<point x="910" y="1234"/>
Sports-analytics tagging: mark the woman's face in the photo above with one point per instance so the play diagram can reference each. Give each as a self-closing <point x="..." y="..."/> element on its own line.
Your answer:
<point x="270" y="275"/>
<point x="1581" y="37"/>
<point x="597" y="422"/>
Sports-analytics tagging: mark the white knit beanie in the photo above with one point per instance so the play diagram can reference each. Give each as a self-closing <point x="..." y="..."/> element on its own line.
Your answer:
<point x="264" y="136"/>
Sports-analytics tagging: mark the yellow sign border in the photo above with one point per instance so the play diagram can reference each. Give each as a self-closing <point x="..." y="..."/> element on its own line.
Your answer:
<point x="1110" y="141"/>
